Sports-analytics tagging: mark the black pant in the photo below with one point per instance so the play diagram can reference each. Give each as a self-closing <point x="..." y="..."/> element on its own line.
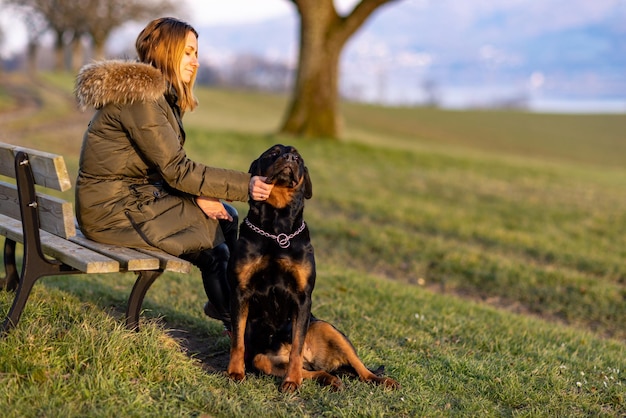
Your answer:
<point x="213" y="265"/>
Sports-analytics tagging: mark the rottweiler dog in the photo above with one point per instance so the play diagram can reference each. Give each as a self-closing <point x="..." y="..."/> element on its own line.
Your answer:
<point x="272" y="276"/>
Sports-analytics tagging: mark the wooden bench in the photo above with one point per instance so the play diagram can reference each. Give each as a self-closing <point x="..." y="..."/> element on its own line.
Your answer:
<point x="52" y="244"/>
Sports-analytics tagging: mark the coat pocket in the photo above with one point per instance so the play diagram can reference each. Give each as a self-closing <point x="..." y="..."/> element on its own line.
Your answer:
<point x="147" y="193"/>
<point x="176" y="225"/>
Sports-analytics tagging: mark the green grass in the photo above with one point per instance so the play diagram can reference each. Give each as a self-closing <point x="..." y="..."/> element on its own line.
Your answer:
<point x="477" y="255"/>
<point x="595" y="139"/>
<point x="547" y="237"/>
<point x="68" y="357"/>
<point x="6" y="101"/>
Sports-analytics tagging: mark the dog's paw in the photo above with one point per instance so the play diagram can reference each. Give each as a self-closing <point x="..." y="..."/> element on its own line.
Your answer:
<point x="333" y="382"/>
<point x="336" y="385"/>
<point x="237" y="376"/>
<point x="236" y="373"/>
<point x="289" y="387"/>
<point x="389" y="383"/>
<point x="236" y="367"/>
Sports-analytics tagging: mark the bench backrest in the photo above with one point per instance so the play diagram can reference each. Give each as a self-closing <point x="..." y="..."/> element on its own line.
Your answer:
<point x="56" y="219"/>
<point x="49" y="171"/>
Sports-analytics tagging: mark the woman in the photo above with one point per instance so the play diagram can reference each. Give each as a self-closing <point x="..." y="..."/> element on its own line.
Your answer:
<point x="136" y="187"/>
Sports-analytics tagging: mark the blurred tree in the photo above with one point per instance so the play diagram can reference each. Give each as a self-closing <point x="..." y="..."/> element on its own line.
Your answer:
<point x="256" y="72"/>
<point x="1" y="43"/>
<point x="36" y="26"/>
<point x="313" y="108"/>
<point x="103" y="16"/>
<point x="72" y="20"/>
<point x="56" y="14"/>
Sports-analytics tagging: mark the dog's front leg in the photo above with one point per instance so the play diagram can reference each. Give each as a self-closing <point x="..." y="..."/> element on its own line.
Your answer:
<point x="293" y="378"/>
<point x="236" y="365"/>
<point x="241" y="271"/>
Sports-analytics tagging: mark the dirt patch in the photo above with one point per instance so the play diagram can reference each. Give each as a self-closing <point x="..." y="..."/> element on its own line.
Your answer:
<point x="203" y="349"/>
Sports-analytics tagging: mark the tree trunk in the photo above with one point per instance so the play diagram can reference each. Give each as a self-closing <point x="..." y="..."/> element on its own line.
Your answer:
<point x="78" y="52"/>
<point x="313" y="108"/>
<point x="31" y="57"/>
<point x="98" y="48"/>
<point x="59" y="56"/>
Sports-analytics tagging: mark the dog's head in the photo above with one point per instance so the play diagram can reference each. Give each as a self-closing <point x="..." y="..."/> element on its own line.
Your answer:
<point x="284" y="168"/>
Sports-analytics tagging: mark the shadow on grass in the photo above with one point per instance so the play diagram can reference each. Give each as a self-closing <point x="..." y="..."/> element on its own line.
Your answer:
<point x="198" y="347"/>
<point x="202" y="340"/>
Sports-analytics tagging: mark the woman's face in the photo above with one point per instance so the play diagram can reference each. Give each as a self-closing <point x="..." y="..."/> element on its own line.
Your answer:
<point x="189" y="63"/>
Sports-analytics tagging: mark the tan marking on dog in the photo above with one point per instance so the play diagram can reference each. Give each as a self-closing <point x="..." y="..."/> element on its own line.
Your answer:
<point x="301" y="271"/>
<point x="293" y="378"/>
<point x="327" y="349"/>
<point x="236" y="366"/>
<point x="280" y="196"/>
<point x="274" y="364"/>
<point x="246" y="270"/>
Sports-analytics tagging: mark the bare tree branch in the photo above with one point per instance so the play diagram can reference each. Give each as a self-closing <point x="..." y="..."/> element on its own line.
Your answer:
<point x="361" y="12"/>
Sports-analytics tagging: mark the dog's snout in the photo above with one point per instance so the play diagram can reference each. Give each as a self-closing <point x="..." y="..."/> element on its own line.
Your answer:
<point x="291" y="157"/>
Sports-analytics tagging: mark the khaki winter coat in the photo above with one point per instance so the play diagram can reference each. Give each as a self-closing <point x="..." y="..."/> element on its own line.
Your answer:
<point x="135" y="185"/>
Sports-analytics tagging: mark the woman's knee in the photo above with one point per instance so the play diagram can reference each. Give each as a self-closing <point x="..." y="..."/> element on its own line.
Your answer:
<point x="220" y="253"/>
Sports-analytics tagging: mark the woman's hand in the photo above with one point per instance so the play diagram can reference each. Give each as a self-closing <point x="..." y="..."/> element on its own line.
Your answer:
<point x="213" y="208"/>
<point x="259" y="189"/>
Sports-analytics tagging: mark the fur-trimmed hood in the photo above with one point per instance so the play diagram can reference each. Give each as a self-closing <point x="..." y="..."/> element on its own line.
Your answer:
<point x="119" y="82"/>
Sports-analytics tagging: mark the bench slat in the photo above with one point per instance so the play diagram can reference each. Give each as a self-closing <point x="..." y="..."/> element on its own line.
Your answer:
<point x="63" y="250"/>
<point x="59" y="238"/>
<point x="55" y="215"/>
<point x="49" y="169"/>
<point x="128" y="258"/>
<point x="169" y="262"/>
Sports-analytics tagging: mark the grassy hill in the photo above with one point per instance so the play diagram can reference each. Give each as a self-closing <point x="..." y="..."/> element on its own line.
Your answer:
<point x="478" y="255"/>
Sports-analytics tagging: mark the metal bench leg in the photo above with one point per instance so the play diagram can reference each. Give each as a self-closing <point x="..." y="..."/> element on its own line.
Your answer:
<point x="33" y="268"/>
<point x="21" y="296"/>
<point x="34" y="264"/>
<point x="143" y="283"/>
<point x="11" y="278"/>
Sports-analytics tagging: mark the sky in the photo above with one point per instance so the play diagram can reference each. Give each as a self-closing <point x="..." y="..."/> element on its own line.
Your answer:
<point x="212" y="12"/>
<point x="459" y="28"/>
<point x="536" y="13"/>
<point x="199" y="12"/>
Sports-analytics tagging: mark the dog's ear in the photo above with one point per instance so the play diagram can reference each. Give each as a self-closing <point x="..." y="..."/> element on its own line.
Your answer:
<point x="254" y="168"/>
<point x="308" y="185"/>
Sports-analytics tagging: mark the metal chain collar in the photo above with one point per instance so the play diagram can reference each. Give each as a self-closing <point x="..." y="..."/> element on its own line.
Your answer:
<point x="283" y="240"/>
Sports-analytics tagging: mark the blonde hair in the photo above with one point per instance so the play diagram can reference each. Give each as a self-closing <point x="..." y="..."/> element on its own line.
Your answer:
<point x="162" y="44"/>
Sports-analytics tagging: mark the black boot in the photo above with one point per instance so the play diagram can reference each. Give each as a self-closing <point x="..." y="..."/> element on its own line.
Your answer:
<point x="213" y="265"/>
<point x="215" y="283"/>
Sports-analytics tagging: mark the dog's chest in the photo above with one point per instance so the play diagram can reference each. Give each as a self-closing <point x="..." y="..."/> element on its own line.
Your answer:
<point x="284" y="274"/>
